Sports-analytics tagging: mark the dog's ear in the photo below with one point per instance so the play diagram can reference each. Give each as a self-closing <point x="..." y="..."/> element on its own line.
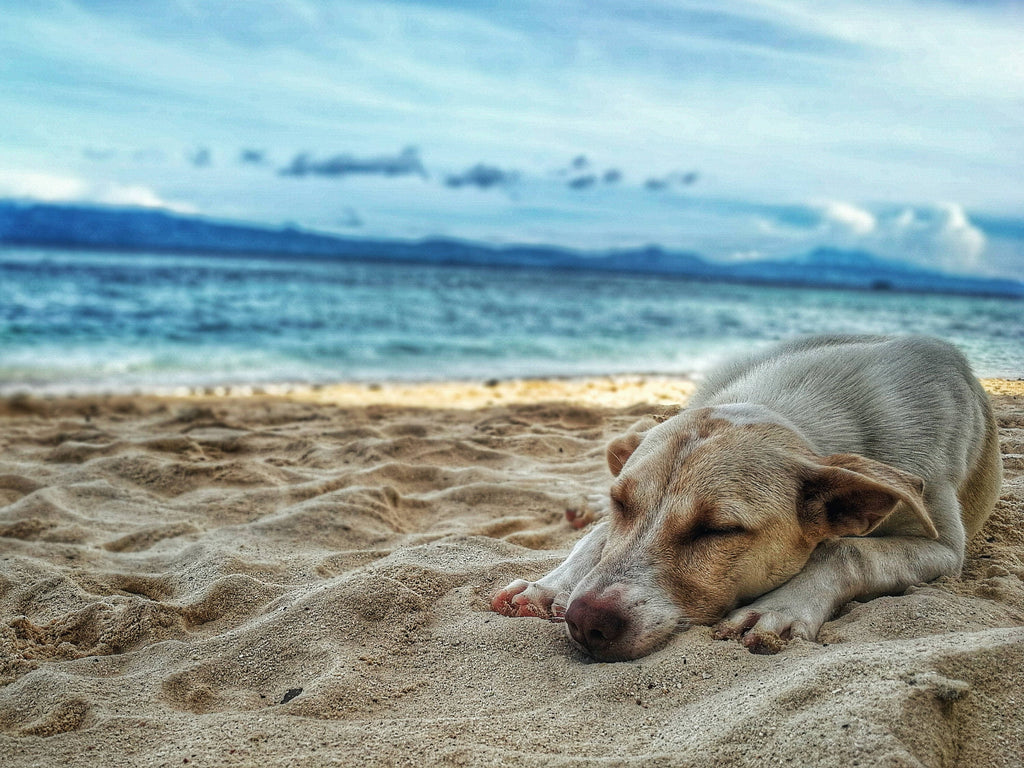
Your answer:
<point x="622" y="447"/>
<point x="849" y="495"/>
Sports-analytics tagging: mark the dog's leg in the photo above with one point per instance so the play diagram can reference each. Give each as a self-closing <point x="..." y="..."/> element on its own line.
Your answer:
<point x="844" y="569"/>
<point x="546" y="597"/>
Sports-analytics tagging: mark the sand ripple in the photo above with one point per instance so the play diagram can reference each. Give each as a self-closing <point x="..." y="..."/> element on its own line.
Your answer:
<point x="261" y="581"/>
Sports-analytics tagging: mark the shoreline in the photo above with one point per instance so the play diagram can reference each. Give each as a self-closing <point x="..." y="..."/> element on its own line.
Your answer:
<point x="609" y="391"/>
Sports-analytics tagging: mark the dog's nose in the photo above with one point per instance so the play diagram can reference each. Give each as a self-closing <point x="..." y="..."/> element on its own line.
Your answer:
<point x="595" y="624"/>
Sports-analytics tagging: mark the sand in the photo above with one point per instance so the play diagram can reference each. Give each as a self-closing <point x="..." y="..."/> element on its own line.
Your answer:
<point x="304" y="579"/>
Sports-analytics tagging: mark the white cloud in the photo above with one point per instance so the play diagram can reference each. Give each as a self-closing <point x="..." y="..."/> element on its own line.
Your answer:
<point x="52" y="188"/>
<point x="938" y="236"/>
<point x="40" y="186"/>
<point x="849" y="218"/>
<point x="941" y="236"/>
<point x="137" y="195"/>
<point x="738" y="256"/>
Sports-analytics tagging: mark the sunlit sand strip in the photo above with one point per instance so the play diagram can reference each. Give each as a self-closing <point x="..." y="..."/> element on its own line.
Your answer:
<point x="618" y="391"/>
<point x="615" y="391"/>
<point x="605" y="391"/>
<point x="1003" y="386"/>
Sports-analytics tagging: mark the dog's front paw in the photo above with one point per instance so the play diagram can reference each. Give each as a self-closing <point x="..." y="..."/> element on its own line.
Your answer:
<point x="527" y="598"/>
<point x="586" y="510"/>
<point x="766" y="630"/>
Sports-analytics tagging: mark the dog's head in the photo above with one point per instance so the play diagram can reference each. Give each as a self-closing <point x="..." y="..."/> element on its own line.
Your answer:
<point x="711" y="509"/>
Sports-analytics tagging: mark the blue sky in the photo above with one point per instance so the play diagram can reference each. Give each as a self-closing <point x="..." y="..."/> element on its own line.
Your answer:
<point x="735" y="129"/>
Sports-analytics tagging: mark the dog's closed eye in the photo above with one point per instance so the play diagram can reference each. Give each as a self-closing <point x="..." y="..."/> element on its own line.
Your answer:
<point x="727" y="530"/>
<point x="621" y="499"/>
<point x="622" y="508"/>
<point x="715" y="531"/>
<point x="711" y="520"/>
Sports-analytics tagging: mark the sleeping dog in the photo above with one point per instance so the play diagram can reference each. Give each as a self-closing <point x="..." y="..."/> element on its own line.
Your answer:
<point x="821" y="471"/>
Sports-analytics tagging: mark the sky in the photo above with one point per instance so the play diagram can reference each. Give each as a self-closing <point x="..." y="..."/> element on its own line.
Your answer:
<point x="736" y="130"/>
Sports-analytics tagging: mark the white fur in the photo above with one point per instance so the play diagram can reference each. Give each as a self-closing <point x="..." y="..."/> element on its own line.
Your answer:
<point x="910" y="403"/>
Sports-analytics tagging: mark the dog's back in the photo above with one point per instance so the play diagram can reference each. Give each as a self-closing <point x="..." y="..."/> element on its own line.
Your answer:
<point x="909" y="401"/>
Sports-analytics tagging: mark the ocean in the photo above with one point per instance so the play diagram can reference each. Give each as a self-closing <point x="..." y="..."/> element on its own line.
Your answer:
<point x="83" y="322"/>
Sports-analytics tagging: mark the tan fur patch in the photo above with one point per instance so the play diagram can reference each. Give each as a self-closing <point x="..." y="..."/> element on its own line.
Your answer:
<point x="729" y="529"/>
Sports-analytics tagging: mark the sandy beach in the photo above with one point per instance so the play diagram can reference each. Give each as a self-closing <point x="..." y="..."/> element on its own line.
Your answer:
<point x="303" y="578"/>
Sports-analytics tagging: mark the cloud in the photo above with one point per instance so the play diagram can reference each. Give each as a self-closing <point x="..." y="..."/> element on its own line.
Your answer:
<point x="661" y="183"/>
<point x="849" y="217"/>
<point x="405" y="163"/>
<point x="580" y="164"/>
<point x="583" y="182"/>
<point x="940" y="235"/>
<point x="52" y="188"/>
<point x="99" y="155"/>
<point x="587" y="180"/>
<point x="138" y="156"/>
<point x="252" y="157"/>
<point x="200" y="157"/>
<point x="943" y="236"/>
<point x="482" y="176"/>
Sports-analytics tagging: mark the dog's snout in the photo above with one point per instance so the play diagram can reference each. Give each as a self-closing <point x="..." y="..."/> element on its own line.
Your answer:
<point x="595" y="624"/>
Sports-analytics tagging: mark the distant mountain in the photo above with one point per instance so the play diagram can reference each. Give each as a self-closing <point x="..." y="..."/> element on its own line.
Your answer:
<point x="824" y="267"/>
<point x="100" y="228"/>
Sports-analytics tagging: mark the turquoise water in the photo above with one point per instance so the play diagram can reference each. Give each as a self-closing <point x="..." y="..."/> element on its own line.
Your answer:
<point x="89" y="322"/>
